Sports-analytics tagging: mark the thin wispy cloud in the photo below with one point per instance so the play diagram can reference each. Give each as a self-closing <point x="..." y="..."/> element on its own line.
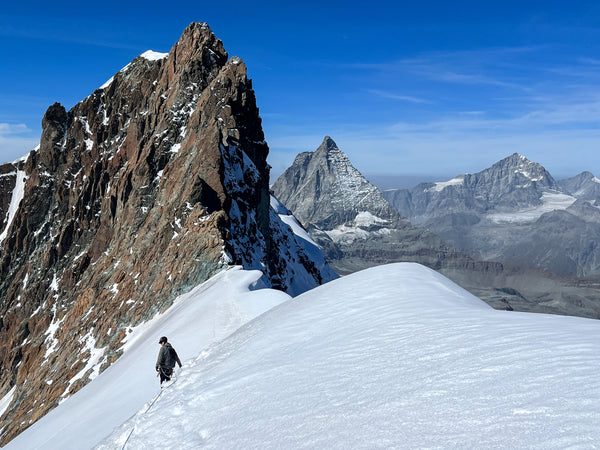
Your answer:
<point x="493" y="67"/>
<point x="58" y="36"/>
<point x="11" y="128"/>
<point x="558" y="133"/>
<point x="591" y="61"/>
<point x="393" y="96"/>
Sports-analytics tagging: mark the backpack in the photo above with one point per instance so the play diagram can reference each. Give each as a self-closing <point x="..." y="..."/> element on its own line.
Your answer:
<point x="170" y="357"/>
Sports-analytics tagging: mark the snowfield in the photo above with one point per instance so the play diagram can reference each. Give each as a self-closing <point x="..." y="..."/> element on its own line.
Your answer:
<point x="395" y="356"/>
<point x="551" y="201"/>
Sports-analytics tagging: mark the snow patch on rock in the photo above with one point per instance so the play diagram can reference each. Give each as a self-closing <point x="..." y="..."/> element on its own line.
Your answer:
<point x="551" y="201"/>
<point x="440" y="186"/>
<point x="15" y="200"/>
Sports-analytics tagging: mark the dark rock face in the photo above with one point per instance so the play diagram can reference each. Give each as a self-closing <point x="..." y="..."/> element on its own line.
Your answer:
<point x="152" y="184"/>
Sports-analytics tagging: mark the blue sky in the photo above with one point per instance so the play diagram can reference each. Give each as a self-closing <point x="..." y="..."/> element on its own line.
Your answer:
<point x="421" y="89"/>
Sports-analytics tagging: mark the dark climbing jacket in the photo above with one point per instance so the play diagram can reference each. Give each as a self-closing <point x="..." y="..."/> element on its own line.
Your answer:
<point x="167" y="357"/>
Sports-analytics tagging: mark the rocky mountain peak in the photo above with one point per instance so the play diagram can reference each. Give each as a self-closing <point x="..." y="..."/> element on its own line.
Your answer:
<point x="518" y="171"/>
<point x="323" y="188"/>
<point x="149" y="186"/>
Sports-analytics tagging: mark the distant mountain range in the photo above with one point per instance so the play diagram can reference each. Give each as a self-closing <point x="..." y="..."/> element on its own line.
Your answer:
<point x="514" y="212"/>
<point x="498" y="233"/>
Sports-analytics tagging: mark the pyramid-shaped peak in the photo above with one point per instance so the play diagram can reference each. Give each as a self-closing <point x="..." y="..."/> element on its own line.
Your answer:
<point x="516" y="171"/>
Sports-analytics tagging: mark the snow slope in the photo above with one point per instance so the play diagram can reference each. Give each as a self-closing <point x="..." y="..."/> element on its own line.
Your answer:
<point x="196" y="320"/>
<point x="15" y="199"/>
<point x="391" y="357"/>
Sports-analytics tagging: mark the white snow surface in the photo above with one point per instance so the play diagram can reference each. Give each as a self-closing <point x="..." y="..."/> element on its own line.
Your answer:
<point x="207" y="314"/>
<point x="551" y="201"/>
<point x="15" y="199"/>
<point x="395" y="356"/>
<point x="288" y="218"/>
<point x="366" y="219"/>
<point x="5" y="401"/>
<point x="441" y="185"/>
<point x="359" y="229"/>
<point x="151" y="55"/>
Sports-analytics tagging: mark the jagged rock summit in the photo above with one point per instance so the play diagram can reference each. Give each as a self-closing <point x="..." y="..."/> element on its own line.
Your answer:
<point x="148" y="187"/>
<point x="324" y="189"/>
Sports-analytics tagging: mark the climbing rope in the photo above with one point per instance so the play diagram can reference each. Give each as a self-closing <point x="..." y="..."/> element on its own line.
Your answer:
<point x="173" y="378"/>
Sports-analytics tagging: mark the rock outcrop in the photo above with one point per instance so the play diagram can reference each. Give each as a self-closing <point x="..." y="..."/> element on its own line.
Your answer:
<point x="149" y="186"/>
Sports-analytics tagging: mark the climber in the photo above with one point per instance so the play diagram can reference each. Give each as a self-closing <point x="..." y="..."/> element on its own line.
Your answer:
<point x="167" y="357"/>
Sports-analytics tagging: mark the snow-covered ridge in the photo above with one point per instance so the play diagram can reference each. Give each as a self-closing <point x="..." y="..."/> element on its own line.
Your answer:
<point x="288" y="218"/>
<point x="151" y="55"/>
<point x="395" y="357"/>
<point x="24" y="157"/>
